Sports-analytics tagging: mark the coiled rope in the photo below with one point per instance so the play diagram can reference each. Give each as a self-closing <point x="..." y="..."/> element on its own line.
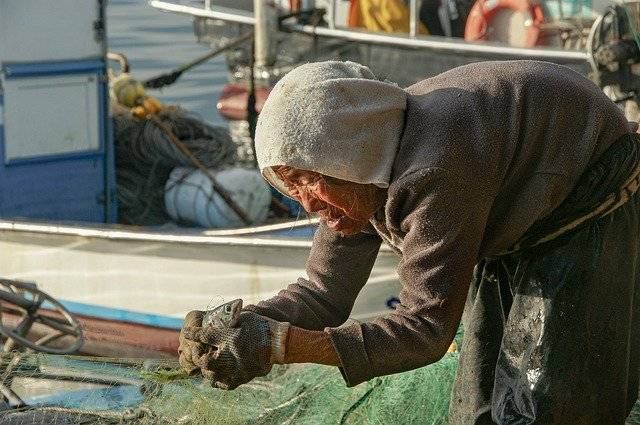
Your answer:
<point x="145" y="156"/>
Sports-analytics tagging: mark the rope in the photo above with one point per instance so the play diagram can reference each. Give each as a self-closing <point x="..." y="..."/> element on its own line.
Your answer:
<point x="195" y="161"/>
<point x="149" y="143"/>
<point x="146" y="154"/>
<point x="632" y="23"/>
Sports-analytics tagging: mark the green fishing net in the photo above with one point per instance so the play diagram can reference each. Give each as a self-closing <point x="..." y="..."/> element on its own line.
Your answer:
<point x="312" y="394"/>
<point x="77" y="390"/>
<point x="108" y="391"/>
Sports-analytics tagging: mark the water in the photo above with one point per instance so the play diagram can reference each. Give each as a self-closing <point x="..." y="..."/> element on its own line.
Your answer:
<point x="156" y="42"/>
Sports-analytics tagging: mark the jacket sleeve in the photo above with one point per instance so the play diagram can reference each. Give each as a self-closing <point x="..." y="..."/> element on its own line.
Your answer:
<point x="337" y="269"/>
<point x="443" y="218"/>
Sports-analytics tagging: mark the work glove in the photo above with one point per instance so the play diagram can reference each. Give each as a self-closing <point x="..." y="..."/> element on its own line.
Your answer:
<point x="189" y="351"/>
<point x="231" y="355"/>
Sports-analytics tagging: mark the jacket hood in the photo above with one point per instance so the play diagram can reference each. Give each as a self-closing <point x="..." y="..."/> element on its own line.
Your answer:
<point x="334" y="118"/>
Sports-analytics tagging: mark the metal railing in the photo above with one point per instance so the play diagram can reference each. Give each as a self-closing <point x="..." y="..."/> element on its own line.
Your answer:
<point x="221" y="13"/>
<point x="412" y="40"/>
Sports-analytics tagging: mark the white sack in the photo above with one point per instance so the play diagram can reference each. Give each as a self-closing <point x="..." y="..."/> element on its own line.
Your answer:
<point x="189" y="196"/>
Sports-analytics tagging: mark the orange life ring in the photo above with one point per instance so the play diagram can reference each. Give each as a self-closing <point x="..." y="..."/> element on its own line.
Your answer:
<point x="484" y="11"/>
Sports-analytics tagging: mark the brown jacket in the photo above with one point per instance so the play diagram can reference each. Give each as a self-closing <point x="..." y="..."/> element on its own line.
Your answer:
<point x="487" y="150"/>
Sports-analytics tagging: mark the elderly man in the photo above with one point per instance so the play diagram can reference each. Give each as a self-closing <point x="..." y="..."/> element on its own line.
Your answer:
<point x="508" y="187"/>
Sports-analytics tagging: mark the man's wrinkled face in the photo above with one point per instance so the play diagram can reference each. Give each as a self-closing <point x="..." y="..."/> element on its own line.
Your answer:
<point x="345" y="206"/>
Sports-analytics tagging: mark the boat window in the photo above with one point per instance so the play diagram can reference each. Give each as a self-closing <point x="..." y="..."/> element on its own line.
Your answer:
<point x="37" y="123"/>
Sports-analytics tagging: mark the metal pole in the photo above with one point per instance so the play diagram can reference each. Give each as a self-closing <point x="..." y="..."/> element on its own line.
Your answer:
<point x="261" y="40"/>
<point x="413" y="18"/>
<point x="446" y="17"/>
<point x="207" y="4"/>
<point x="252" y="114"/>
<point x="332" y="14"/>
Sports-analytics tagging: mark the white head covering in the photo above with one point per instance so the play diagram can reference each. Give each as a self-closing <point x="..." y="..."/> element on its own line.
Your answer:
<point x="333" y="118"/>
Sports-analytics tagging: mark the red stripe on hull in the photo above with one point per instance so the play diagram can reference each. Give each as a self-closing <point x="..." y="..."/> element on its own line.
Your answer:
<point x="112" y="338"/>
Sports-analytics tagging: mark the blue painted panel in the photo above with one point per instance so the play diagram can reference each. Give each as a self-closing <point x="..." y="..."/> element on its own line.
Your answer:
<point x="107" y="313"/>
<point x="1" y="125"/>
<point x="78" y="186"/>
<point x="21" y="70"/>
<point x="88" y="154"/>
<point x="61" y="190"/>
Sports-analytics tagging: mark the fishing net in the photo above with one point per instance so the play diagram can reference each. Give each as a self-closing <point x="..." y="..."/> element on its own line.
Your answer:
<point x="60" y="389"/>
<point x="120" y="392"/>
<point x="145" y="156"/>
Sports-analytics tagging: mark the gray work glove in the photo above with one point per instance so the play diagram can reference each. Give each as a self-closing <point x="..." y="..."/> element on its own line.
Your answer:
<point x="232" y="355"/>
<point x="189" y="351"/>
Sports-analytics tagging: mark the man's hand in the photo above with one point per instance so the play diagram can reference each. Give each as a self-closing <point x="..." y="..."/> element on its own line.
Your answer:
<point x="228" y="356"/>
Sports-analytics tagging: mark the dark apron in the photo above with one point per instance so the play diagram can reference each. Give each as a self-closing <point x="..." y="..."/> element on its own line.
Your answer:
<point x="552" y="329"/>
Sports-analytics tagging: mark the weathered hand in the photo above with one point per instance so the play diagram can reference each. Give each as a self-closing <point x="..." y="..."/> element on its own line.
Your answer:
<point x="190" y="351"/>
<point x="232" y="355"/>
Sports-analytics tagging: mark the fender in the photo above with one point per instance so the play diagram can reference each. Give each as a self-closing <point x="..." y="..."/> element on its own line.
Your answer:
<point x="484" y="11"/>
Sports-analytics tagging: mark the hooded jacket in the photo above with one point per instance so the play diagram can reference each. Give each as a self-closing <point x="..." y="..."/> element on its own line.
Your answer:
<point x="485" y="151"/>
<point x="334" y="118"/>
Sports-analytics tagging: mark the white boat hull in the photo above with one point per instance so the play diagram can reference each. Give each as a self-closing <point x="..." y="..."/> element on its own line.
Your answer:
<point x="155" y="278"/>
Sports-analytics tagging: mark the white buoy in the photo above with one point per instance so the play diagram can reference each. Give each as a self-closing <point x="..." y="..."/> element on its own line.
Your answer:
<point x="189" y="196"/>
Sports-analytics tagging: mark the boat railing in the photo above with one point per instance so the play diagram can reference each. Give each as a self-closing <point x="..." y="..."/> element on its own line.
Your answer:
<point x="264" y="236"/>
<point x="412" y="40"/>
<point x="260" y="236"/>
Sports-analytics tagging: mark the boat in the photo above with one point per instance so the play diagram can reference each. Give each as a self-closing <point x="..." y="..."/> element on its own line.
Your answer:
<point x="595" y="38"/>
<point x="121" y="290"/>
<point x="128" y="286"/>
